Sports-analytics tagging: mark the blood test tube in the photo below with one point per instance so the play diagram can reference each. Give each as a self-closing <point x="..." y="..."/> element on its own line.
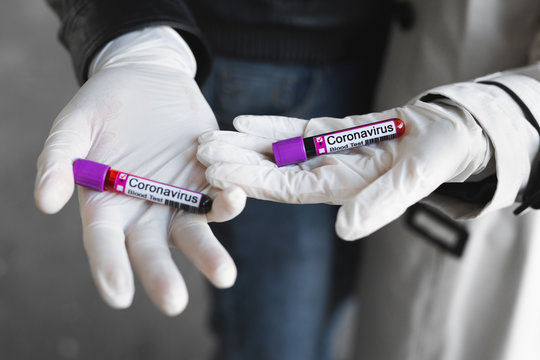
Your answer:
<point x="298" y="149"/>
<point x="101" y="177"/>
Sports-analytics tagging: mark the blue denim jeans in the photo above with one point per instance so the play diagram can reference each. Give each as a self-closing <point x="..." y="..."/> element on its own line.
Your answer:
<point x="293" y="272"/>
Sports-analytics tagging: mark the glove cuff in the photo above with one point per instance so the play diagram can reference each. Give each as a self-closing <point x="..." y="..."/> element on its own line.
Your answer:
<point x="88" y="25"/>
<point x="159" y="45"/>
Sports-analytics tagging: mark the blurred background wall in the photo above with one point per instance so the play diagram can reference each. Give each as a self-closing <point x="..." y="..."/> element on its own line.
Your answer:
<point x="49" y="308"/>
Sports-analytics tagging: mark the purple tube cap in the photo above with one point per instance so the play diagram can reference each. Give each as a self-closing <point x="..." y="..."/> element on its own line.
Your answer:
<point x="289" y="151"/>
<point x="90" y="173"/>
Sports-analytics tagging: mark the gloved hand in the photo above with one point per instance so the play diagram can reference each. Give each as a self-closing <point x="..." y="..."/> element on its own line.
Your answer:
<point x="140" y="112"/>
<point x="374" y="184"/>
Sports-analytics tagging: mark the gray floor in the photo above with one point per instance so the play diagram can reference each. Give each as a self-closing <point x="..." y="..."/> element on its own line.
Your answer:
<point x="49" y="308"/>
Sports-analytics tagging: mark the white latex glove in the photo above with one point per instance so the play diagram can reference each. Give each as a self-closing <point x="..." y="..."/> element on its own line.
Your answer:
<point x="374" y="184"/>
<point x="140" y="112"/>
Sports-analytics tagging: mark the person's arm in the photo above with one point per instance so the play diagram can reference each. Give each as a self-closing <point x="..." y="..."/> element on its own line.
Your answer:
<point x="506" y="106"/>
<point x="87" y="25"/>
<point x="469" y="148"/>
<point x="140" y="111"/>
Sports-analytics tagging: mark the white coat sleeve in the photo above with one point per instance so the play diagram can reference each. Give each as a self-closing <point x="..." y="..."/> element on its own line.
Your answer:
<point x="509" y="123"/>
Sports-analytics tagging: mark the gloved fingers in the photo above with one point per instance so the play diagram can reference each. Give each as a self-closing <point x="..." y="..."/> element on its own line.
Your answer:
<point x="192" y="236"/>
<point x="291" y="185"/>
<point x="217" y="151"/>
<point x="147" y="244"/>
<point x="357" y="219"/>
<point x="270" y="127"/>
<point x="247" y="141"/>
<point x="68" y="140"/>
<point x="227" y="204"/>
<point x="104" y="242"/>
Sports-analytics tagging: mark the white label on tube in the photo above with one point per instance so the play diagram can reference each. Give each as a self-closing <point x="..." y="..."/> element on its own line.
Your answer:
<point x="155" y="191"/>
<point x="354" y="137"/>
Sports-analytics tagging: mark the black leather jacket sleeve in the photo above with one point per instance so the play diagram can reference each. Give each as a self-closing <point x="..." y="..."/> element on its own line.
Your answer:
<point x="87" y="25"/>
